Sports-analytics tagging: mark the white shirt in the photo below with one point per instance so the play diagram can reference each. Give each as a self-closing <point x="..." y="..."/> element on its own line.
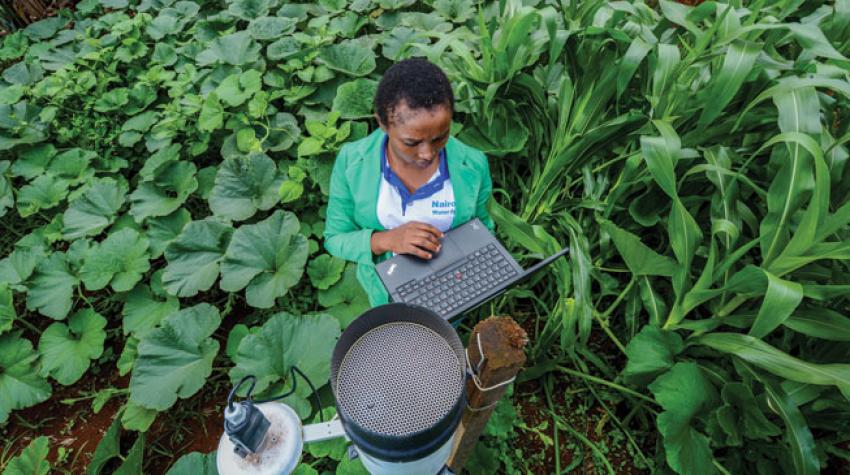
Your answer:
<point x="432" y="203"/>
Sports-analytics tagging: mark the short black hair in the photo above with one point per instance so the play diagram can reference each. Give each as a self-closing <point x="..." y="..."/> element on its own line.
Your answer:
<point x="420" y="83"/>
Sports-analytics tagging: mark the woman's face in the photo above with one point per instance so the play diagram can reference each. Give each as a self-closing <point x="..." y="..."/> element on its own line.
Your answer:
<point x="416" y="136"/>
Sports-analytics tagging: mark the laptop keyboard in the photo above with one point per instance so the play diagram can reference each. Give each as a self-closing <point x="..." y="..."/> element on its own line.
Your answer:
<point x="457" y="285"/>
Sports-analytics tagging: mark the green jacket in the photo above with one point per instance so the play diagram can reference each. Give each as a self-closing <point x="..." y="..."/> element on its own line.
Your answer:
<point x="352" y="210"/>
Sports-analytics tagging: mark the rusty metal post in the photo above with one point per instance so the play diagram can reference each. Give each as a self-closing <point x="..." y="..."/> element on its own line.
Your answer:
<point x="496" y="352"/>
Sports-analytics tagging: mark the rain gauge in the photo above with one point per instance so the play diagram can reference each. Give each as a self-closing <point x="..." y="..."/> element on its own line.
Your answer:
<point x="398" y="375"/>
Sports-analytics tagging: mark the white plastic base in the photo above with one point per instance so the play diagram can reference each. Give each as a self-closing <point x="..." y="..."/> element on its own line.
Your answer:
<point x="429" y="465"/>
<point x="279" y="453"/>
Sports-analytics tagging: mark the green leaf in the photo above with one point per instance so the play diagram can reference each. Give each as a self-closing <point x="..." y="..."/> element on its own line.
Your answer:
<point x="290" y="191"/>
<point x="51" y="287"/>
<point x="143" y="311"/>
<point x="629" y="63"/>
<point x="193" y="258"/>
<point x="108" y="448"/>
<point x="820" y="322"/>
<point x="348" y="57"/>
<point x="244" y="185"/>
<point x="33" y="160"/>
<point x="650" y="353"/>
<point x="120" y="261"/>
<point x="7" y="309"/>
<point x="781" y="299"/>
<point x="640" y="259"/>
<point x="92" y="212"/>
<point x="813" y="40"/>
<point x="284" y="341"/>
<point x="156" y="163"/>
<point x="325" y="271"/>
<point x="175" y="359"/>
<point x="166" y="193"/>
<point x="32" y="460"/>
<point x="20" y="385"/>
<point x="684" y="393"/>
<point x="113" y="100"/>
<point x="354" y="99"/>
<point x="267" y="257"/>
<point x="742" y="415"/>
<point x="346" y="300"/>
<point x="797" y="433"/>
<point x="737" y="64"/>
<point x="132" y="464"/>
<point x="66" y="349"/>
<point x="238" y="88"/>
<point x="44" y="192"/>
<point x="212" y="114"/>
<point x="236" y="49"/>
<point x="19" y="264"/>
<point x="270" y="27"/>
<point x="194" y="463"/>
<point x="769" y="358"/>
<point x="137" y="418"/>
<point x="161" y="231"/>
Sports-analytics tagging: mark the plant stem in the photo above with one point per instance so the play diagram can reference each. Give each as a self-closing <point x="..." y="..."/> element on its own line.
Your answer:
<point x="605" y="382"/>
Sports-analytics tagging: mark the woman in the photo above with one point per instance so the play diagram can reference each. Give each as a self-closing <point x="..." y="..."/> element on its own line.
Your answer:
<point x="399" y="189"/>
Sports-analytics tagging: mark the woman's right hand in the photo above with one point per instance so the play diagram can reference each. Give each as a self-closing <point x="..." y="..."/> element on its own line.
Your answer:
<point x="419" y="239"/>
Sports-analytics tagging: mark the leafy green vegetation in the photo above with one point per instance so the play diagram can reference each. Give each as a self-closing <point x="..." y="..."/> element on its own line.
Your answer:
<point x="164" y="169"/>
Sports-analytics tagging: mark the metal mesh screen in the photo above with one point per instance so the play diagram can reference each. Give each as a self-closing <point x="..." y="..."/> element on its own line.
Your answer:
<point x="399" y="378"/>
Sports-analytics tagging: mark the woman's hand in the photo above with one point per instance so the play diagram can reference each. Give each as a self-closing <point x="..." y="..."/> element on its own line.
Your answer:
<point x="419" y="239"/>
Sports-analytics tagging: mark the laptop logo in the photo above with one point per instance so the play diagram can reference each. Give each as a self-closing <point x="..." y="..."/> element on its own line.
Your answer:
<point x="391" y="269"/>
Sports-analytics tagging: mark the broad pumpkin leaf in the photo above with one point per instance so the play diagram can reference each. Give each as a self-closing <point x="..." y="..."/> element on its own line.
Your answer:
<point x="20" y="384"/>
<point x="249" y="9"/>
<point x="194" y="257"/>
<point x="162" y="230"/>
<point x="44" y="192"/>
<point x="166" y="23"/>
<point x="395" y="43"/>
<point x="346" y="300"/>
<point x="51" y="287"/>
<point x="67" y="349"/>
<point x="236" y="49"/>
<point x="155" y="163"/>
<point x="283" y="132"/>
<point x="245" y="184"/>
<point x="349" y="57"/>
<point x="92" y="212"/>
<point x="283" y="341"/>
<point x="7" y="199"/>
<point x="112" y="100"/>
<point x="32" y="460"/>
<point x="32" y="161"/>
<point x="238" y="88"/>
<point x="353" y="99"/>
<point x="143" y="311"/>
<point x="212" y="113"/>
<point x="325" y="271"/>
<point x="19" y="264"/>
<point x="684" y="393"/>
<point x="73" y="165"/>
<point x="119" y="261"/>
<point x="651" y="352"/>
<point x="271" y="27"/>
<point x="195" y="463"/>
<point x="174" y="183"/>
<point x="137" y="418"/>
<point x="268" y="258"/>
<point x="7" y="309"/>
<point x="175" y="359"/>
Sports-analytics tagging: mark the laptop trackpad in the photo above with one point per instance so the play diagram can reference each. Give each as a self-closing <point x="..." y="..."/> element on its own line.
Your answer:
<point x="449" y="253"/>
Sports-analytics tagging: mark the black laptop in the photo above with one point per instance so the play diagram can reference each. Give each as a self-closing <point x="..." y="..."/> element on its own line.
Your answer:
<point x="471" y="268"/>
